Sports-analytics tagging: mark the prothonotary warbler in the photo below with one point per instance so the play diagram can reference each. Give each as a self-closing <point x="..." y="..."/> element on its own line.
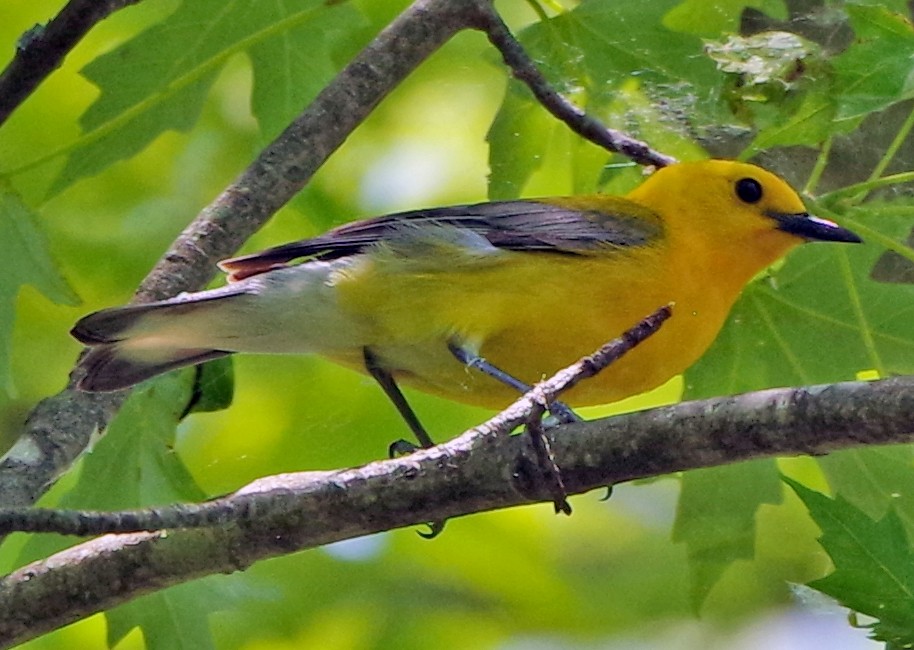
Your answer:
<point x="529" y="285"/>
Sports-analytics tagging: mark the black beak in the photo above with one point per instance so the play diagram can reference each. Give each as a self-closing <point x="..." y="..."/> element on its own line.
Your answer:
<point x="813" y="228"/>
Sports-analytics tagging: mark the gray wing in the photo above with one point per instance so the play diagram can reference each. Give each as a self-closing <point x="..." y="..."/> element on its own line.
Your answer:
<point x="567" y="226"/>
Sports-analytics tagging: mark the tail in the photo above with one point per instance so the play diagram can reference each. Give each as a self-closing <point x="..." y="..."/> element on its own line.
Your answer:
<point x="287" y="311"/>
<point x="133" y="343"/>
<point x="108" y="367"/>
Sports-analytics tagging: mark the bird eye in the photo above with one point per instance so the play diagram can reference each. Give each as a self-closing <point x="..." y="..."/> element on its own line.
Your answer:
<point x="749" y="190"/>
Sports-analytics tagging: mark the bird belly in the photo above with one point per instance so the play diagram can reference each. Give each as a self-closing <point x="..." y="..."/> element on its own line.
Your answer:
<point x="532" y="316"/>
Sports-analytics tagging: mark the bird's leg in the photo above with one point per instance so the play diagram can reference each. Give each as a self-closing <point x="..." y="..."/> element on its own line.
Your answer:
<point x="390" y="388"/>
<point x="559" y="410"/>
<point x="402" y="447"/>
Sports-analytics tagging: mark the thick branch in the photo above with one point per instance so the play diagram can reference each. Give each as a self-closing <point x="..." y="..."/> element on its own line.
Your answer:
<point x="476" y="472"/>
<point x="60" y="427"/>
<point x="527" y="409"/>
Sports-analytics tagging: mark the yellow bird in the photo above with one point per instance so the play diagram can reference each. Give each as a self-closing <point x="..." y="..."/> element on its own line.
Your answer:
<point x="528" y="285"/>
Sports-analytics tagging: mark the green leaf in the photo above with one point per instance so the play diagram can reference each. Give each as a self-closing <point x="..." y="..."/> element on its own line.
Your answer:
<point x="178" y="617"/>
<point x="515" y="141"/>
<point x="134" y="464"/>
<point x="136" y="455"/>
<point x="26" y="260"/>
<point x="715" y="518"/>
<point x="781" y="85"/>
<point x="874" y="479"/>
<point x="214" y="386"/>
<point x="874" y="564"/>
<point x="809" y="123"/>
<point x="605" y="56"/>
<point x="175" y="618"/>
<point x="603" y="44"/>
<point x="893" y="266"/>
<point x="292" y="66"/>
<point x="712" y="18"/>
<point x="819" y="318"/>
<point x="144" y="93"/>
<point x="875" y="72"/>
<point x="776" y="85"/>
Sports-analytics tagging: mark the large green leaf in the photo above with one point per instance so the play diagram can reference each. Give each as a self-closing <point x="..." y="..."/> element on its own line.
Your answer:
<point x="819" y="318"/>
<point x="516" y="142"/>
<point x="811" y="122"/>
<point x="292" y="65"/>
<point x="875" y="71"/>
<point x="592" y="54"/>
<point x="711" y="18"/>
<point x="716" y="518"/>
<point x="874" y="479"/>
<point x="874" y="564"/>
<point x="144" y="93"/>
<point x="26" y="260"/>
<point x="603" y="44"/>
<point x="178" y="617"/>
<point x="134" y="464"/>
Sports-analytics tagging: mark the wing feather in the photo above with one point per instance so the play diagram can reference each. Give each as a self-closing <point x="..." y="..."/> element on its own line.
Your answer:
<point x="578" y="225"/>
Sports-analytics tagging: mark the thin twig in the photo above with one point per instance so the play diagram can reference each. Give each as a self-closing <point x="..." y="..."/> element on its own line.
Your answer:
<point x="42" y="49"/>
<point x="546" y="392"/>
<point x="217" y="512"/>
<point x="60" y="427"/>
<point x="525" y="70"/>
<point x="545" y="459"/>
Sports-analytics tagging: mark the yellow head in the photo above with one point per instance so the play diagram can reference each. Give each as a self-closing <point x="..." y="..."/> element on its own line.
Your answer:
<point x="723" y="205"/>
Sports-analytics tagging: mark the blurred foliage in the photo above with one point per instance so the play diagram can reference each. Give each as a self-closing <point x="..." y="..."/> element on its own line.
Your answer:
<point x="165" y="102"/>
<point x="873" y="564"/>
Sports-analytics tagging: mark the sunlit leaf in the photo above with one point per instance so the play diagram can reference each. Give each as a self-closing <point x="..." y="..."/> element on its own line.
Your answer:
<point x="716" y="518"/>
<point x="874" y="564"/>
<point x="516" y="142"/>
<point x="144" y="93"/>
<point x="712" y="18"/>
<point x="26" y="261"/>
<point x="875" y="71"/>
<point x="592" y="52"/>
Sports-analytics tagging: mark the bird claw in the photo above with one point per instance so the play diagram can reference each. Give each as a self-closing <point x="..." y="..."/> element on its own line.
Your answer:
<point x="434" y="529"/>
<point x="401" y="448"/>
<point x="561" y="413"/>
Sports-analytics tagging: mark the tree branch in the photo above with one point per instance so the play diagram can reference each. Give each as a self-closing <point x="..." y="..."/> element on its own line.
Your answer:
<point x="42" y="49"/>
<point x="60" y="427"/>
<point x="479" y="471"/>
<point x="529" y="408"/>
<point x="523" y="68"/>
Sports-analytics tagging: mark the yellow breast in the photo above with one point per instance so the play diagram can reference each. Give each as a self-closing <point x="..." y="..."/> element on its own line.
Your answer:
<point x="532" y="314"/>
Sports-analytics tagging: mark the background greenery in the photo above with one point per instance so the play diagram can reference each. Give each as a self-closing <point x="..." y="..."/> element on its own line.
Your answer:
<point x="165" y="102"/>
